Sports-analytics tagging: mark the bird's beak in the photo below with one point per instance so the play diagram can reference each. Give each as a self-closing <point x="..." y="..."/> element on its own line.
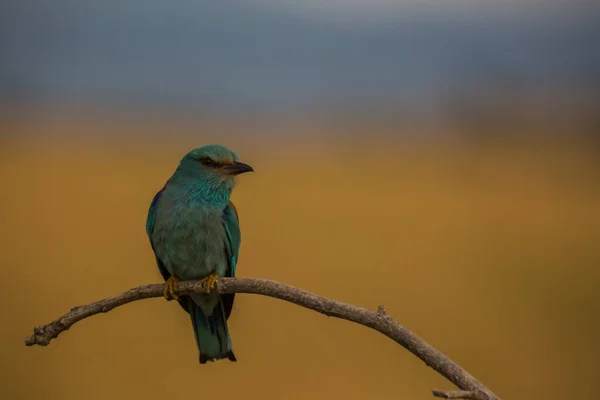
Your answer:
<point x="238" y="168"/>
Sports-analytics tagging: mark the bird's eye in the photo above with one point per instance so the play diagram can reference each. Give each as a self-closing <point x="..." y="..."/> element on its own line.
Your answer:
<point x="209" y="162"/>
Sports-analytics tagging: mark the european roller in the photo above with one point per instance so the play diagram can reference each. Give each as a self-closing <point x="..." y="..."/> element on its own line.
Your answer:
<point x="195" y="234"/>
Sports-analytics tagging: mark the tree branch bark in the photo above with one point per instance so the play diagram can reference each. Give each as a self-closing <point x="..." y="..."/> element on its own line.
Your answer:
<point x="469" y="387"/>
<point x="453" y="394"/>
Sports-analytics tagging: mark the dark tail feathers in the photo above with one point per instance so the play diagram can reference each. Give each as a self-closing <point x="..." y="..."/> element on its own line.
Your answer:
<point x="212" y="334"/>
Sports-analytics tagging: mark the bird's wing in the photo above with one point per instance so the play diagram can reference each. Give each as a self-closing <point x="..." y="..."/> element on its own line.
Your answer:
<point x="234" y="239"/>
<point x="150" y="228"/>
<point x="152" y="213"/>
<point x="234" y="235"/>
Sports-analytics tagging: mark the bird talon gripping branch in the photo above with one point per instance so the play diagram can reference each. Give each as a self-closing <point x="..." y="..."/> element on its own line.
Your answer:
<point x="210" y="282"/>
<point x="170" y="292"/>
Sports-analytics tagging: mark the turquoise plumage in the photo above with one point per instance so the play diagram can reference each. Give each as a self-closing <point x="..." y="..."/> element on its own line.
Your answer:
<point x="194" y="232"/>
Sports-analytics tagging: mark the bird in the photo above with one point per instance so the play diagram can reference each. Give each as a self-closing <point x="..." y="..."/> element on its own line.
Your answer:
<point x="193" y="228"/>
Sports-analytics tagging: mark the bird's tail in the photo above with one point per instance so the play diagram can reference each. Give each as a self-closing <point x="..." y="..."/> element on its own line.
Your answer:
<point x="212" y="334"/>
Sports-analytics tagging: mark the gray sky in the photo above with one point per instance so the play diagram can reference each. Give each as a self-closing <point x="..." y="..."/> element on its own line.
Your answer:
<point x="273" y="55"/>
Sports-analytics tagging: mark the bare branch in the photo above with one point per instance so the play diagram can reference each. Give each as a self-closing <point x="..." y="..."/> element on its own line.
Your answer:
<point x="378" y="320"/>
<point x="454" y="394"/>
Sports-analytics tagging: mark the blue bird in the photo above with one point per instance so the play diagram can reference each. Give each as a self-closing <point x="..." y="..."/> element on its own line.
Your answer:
<point x="194" y="232"/>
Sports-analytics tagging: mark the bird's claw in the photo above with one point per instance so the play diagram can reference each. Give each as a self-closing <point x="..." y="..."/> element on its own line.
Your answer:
<point x="169" y="291"/>
<point x="210" y="282"/>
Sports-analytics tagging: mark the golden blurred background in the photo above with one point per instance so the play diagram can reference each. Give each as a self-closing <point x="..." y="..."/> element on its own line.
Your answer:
<point x="489" y="252"/>
<point x="440" y="159"/>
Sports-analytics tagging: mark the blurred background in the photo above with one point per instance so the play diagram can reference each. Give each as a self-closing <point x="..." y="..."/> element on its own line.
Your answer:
<point x="440" y="158"/>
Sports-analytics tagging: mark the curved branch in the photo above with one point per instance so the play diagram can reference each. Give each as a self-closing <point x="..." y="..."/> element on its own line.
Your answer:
<point x="470" y="387"/>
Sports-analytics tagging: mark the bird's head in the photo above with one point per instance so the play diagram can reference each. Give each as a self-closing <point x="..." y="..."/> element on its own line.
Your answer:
<point x="213" y="166"/>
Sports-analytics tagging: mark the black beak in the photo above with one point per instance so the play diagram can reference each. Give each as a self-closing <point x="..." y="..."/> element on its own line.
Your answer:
<point x="238" y="168"/>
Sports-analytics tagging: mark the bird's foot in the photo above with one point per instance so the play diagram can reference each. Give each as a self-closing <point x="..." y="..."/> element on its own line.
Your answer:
<point x="210" y="282"/>
<point x="170" y="286"/>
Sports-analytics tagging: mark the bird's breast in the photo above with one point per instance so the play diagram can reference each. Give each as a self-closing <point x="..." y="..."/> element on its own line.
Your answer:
<point x="190" y="241"/>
